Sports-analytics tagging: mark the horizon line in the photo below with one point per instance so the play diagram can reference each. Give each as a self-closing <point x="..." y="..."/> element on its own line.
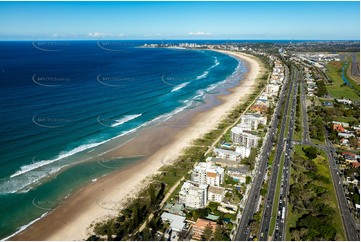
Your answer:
<point x="180" y="40"/>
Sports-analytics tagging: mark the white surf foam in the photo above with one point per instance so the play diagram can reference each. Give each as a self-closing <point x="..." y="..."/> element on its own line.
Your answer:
<point x="33" y="166"/>
<point x="21" y="180"/>
<point x="125" y="119"/>
<point x="180" y="86"/>
<point x="204" y="75"/>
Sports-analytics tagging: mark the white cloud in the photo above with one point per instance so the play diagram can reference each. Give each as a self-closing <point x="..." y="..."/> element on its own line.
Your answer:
<point x="199" y="33"/>
<point x="97" y="34"/>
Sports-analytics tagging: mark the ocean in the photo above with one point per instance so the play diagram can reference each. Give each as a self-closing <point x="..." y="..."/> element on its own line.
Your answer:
<point x="63" y="103"/>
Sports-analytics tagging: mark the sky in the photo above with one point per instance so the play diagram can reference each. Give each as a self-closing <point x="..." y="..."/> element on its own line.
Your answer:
<point x="180" y="20"/>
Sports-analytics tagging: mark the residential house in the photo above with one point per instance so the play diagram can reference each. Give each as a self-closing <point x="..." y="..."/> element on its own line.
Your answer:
<point x="344" y="141"/>
<point x="349" y="156"/>
<point x="338" y="127"/>
<point x="345" y="135"/>
<point x="200" y="226"/>
<point x="262" y="108"/>
<point x="345" y="125"/>
<point x="355" y="164"/>
<point x="344" y="101"/>
<point x="177" y="208"/>
<point x="176" y="222"/>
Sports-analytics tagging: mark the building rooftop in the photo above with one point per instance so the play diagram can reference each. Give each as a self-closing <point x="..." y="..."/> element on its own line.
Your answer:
<point x="210" y="167"/>
<point x="239" y="169"/>
<point x="212" y="174"/>
<point x="217" y="190"/>
<point x="223" y="162"/>
<point x="193" y="185"/>
<point x="202" y="223"/>
<point x="174" y="208"/>
<point x="228" y="152"/>
<point x="176" y="221"/>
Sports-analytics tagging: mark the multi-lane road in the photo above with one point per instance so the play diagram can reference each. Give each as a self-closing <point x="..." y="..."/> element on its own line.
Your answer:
<point x="283" y="149"/>
<point x="285" y="182"/>
<point x="243" y="231"/>
<point x="350" y="226"/>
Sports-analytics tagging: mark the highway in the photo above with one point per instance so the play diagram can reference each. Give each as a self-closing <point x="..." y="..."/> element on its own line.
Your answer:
<point x="283" y="147"/>
<point x="243" y="231"/>
<point x="305" y="136"/>
<point x="350" y="226"/>
<point x="280" y="233"/>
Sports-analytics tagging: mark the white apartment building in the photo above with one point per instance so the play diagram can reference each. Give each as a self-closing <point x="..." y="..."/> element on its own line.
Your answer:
<point x="216" y="194"/>
<point x="272" y="89"/>
<point x="207" y="173"/>
<point x="243" y="151"/>
<point x="193" y="194"/>
<point x="254" y="120"/>
<point x="227" y="154"/>
<point x="244" y="139"/>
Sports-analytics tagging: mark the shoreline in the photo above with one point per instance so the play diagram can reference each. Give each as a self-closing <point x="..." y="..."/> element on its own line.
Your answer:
<point x="70" y="220"/>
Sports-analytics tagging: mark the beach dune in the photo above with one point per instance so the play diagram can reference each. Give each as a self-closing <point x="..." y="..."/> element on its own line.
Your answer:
<point x="101" y="199"/>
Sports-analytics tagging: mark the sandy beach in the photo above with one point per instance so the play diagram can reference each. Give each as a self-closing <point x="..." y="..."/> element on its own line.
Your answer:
<point x="102" y="199"/>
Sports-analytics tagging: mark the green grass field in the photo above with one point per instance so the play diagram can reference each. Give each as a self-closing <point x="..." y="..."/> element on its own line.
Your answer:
<point x="324" y="169"/>
<point x="345" y="119"/>
<point x="291" y="219"/>
<point x="334" y="72"/>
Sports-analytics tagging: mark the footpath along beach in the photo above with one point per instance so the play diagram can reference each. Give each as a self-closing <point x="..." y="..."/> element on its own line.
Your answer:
<point x="161" y="144"/>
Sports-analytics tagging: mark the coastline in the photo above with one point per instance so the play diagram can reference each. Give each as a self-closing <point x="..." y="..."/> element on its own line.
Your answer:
<point x="71" y="219"/>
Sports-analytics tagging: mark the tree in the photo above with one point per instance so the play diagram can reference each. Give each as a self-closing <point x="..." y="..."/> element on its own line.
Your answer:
<point x="195" y="215"/>
<point x="151" y="191"/>
<point x="353" y="142"/>
<point x="218" y="234"/>
<point x="248" y="179"/>
<point x="253" y="226"/>
<point x="136" y="216"/>
<point x="311" y="152"/>
<point x="207" y="233"/>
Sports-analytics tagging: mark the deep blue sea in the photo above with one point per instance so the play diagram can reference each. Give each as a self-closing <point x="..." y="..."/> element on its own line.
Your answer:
<point x="63" y="101"/>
